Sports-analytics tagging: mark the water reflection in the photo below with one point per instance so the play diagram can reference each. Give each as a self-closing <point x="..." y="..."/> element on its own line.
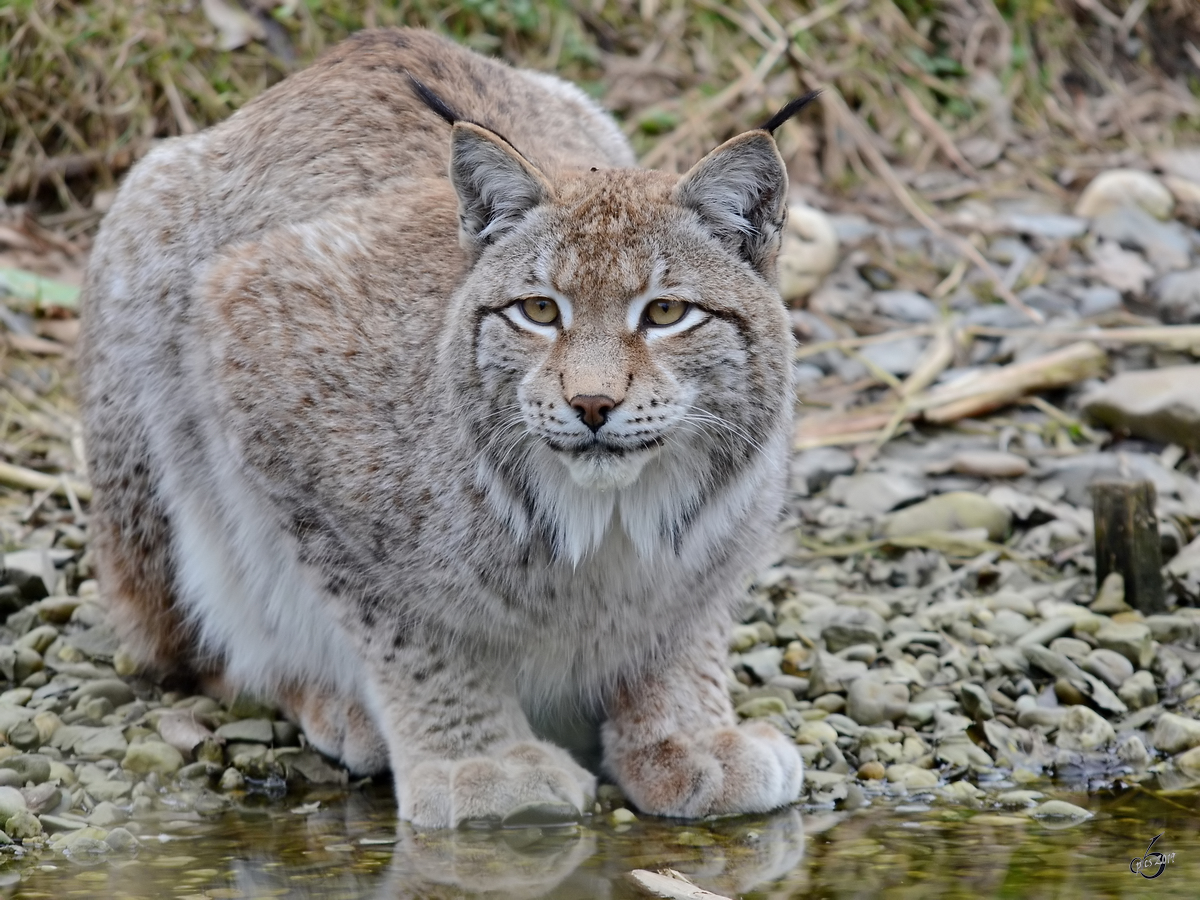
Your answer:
<point x="348" y="848"/>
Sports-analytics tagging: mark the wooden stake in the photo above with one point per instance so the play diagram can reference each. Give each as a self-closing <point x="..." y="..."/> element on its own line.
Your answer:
<point x="1127" y="541"/>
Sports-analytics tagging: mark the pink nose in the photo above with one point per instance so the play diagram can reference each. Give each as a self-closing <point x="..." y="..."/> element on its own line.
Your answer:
<point x="593" y="409"/>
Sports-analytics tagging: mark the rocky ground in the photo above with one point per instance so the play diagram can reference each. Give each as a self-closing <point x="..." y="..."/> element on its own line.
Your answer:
<point x="932" y="627"/>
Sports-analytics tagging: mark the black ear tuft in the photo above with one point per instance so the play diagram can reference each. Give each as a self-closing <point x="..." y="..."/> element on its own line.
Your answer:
<point x="432" y="100"/>
<point x="788" y="111"/>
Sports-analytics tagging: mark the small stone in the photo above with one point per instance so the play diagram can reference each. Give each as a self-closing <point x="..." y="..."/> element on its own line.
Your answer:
<point x="41" y="797"/>
<point x="106" y="815"/>
<point x="1060" y="809"/>
<point x="120" y="840"/>
<point x="1117" y="188"/>
<point x="1177" y="297"/>
<point x="1131" y="639"/>
<point x="961" y="792"/>
<point x="109" y="742"/>
<point x="1109" y="666"/>
<point x="152" y="756"/>
<point x="12" y="802"/>
<point x="761" y="707"/>
<point x="848" y="626"/>
<point x="1133" y="752"/>
<point x="816" y="733"/>
<point x="1139" y="691"/>
<point x="1067" y="693"/>
<point x="84" y="845"/>
<point x="912" y="777"/>
<point x="765" y="663"/>
<point x="871" y="702"/>
<point x="1082" y="728"/>
<point x="830" y="674"/>
<point x="875" y="492"/>
<point x="1047" y="631"/>
<point x="1174" y="733"/>
<point x="1020" y="799"/>
<point x="1158" y="404"/>
<point x="872" y="771"/>
<point x="1167" y="628"/>
<point x="232" y="780"/>
<point x="830" y="703"/>
<point x="1072" y="648"/>
<point x="21" y="825"/>
<point x="622" y="816"/>
<point x="255" y="731"/>
<point x="906" y="306"/>
<point x="314" y="769"/>
<point x="976" y="703"/>
<point x="954" y="511"/>
<point x="29" y="767"/>
<point x="812" y="470"/>
<point x="115" y="691"/>
<point x="983" y="464"/>
<point x="1188" y="762"/>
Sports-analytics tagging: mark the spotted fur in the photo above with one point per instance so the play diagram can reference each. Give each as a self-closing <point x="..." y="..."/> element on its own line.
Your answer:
<point x="334" y="464"/>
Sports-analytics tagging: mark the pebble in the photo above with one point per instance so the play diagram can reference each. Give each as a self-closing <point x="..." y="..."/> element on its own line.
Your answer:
<point x="1131" y="639"/>
<point x="1173" y="733"/>
<point x="22" y="825"/>
<point x="953" y="511"/>
<point x="29" y="767"/>
<point x="1177" y="297"/>
<point x="152" y="756"/>
<point x="1109" y="666"/>
<point x="1188" y="763"/>
<point x="259" y="731"/>
<point x="1060" y="809"/>
<point x="1132" y="751"/>
<point x="976" y="703"/>
<point x="1082" y="728"/>
<point x="1159" y="404"/>
<point x="912" y="777"/>
<point x="848" y="626"/>
<point x="871" y="701"/>
<point x="875" y="492"/>
<point x="1117" y="188"/>
<point x="1139" y="691"/>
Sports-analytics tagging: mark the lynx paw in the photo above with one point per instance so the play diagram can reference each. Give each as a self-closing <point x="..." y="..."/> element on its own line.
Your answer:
<point x="339" y="727"/>
<point x="529" y="781"/>
<point x="751" y="768"/>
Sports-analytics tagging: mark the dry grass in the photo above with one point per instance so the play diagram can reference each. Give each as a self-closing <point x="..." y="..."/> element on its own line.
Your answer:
<point x="85" y="85"/>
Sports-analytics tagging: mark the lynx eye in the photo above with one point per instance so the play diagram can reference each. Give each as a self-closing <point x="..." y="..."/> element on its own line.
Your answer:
<point x="666" y="311"/>
<point x="540" y="310"/>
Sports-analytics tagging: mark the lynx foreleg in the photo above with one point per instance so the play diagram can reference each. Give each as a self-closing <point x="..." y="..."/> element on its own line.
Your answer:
<point x="673" y="744"/>
<point x="461" y="748"/>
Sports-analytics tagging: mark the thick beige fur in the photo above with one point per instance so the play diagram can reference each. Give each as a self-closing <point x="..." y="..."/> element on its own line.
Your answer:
<point x="336" y="464"/>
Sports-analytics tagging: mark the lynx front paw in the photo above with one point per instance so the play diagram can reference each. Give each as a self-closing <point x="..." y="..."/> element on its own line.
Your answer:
<point x="752" y="768"/>
<point x="529" y="781"/>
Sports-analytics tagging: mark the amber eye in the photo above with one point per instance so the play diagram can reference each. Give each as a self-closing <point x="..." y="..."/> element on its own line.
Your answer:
<point x="665" y="312"/>
<point x="541" y="310"/>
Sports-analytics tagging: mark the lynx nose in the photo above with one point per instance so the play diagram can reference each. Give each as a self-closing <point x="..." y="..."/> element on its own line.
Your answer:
<point x="593" y="409"/>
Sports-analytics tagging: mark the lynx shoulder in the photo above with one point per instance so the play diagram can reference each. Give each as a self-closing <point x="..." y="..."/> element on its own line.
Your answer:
<point x="412" y="403"/>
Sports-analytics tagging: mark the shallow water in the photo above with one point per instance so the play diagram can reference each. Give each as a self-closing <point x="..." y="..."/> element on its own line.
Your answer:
<point x="347" y="848"/>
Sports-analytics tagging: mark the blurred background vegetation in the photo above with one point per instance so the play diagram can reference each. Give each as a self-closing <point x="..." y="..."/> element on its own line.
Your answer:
<point x="87" y="85"/>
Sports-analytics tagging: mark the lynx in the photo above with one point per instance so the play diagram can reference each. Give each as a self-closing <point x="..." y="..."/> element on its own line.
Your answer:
<point x="412" y="404"/>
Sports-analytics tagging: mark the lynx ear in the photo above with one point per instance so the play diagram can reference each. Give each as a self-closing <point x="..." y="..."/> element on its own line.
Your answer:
<point x="495" y="184"/>
<point x="740" y="191"/>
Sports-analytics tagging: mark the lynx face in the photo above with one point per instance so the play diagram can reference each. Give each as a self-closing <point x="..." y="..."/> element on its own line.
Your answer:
<point x="620" y="332"/>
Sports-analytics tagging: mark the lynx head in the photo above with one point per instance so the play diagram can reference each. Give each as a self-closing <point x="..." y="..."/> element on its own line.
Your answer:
<point x="626" y="329"/>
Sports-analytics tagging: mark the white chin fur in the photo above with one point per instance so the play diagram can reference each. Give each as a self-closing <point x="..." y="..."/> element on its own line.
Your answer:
<point x="599" y="471"/>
